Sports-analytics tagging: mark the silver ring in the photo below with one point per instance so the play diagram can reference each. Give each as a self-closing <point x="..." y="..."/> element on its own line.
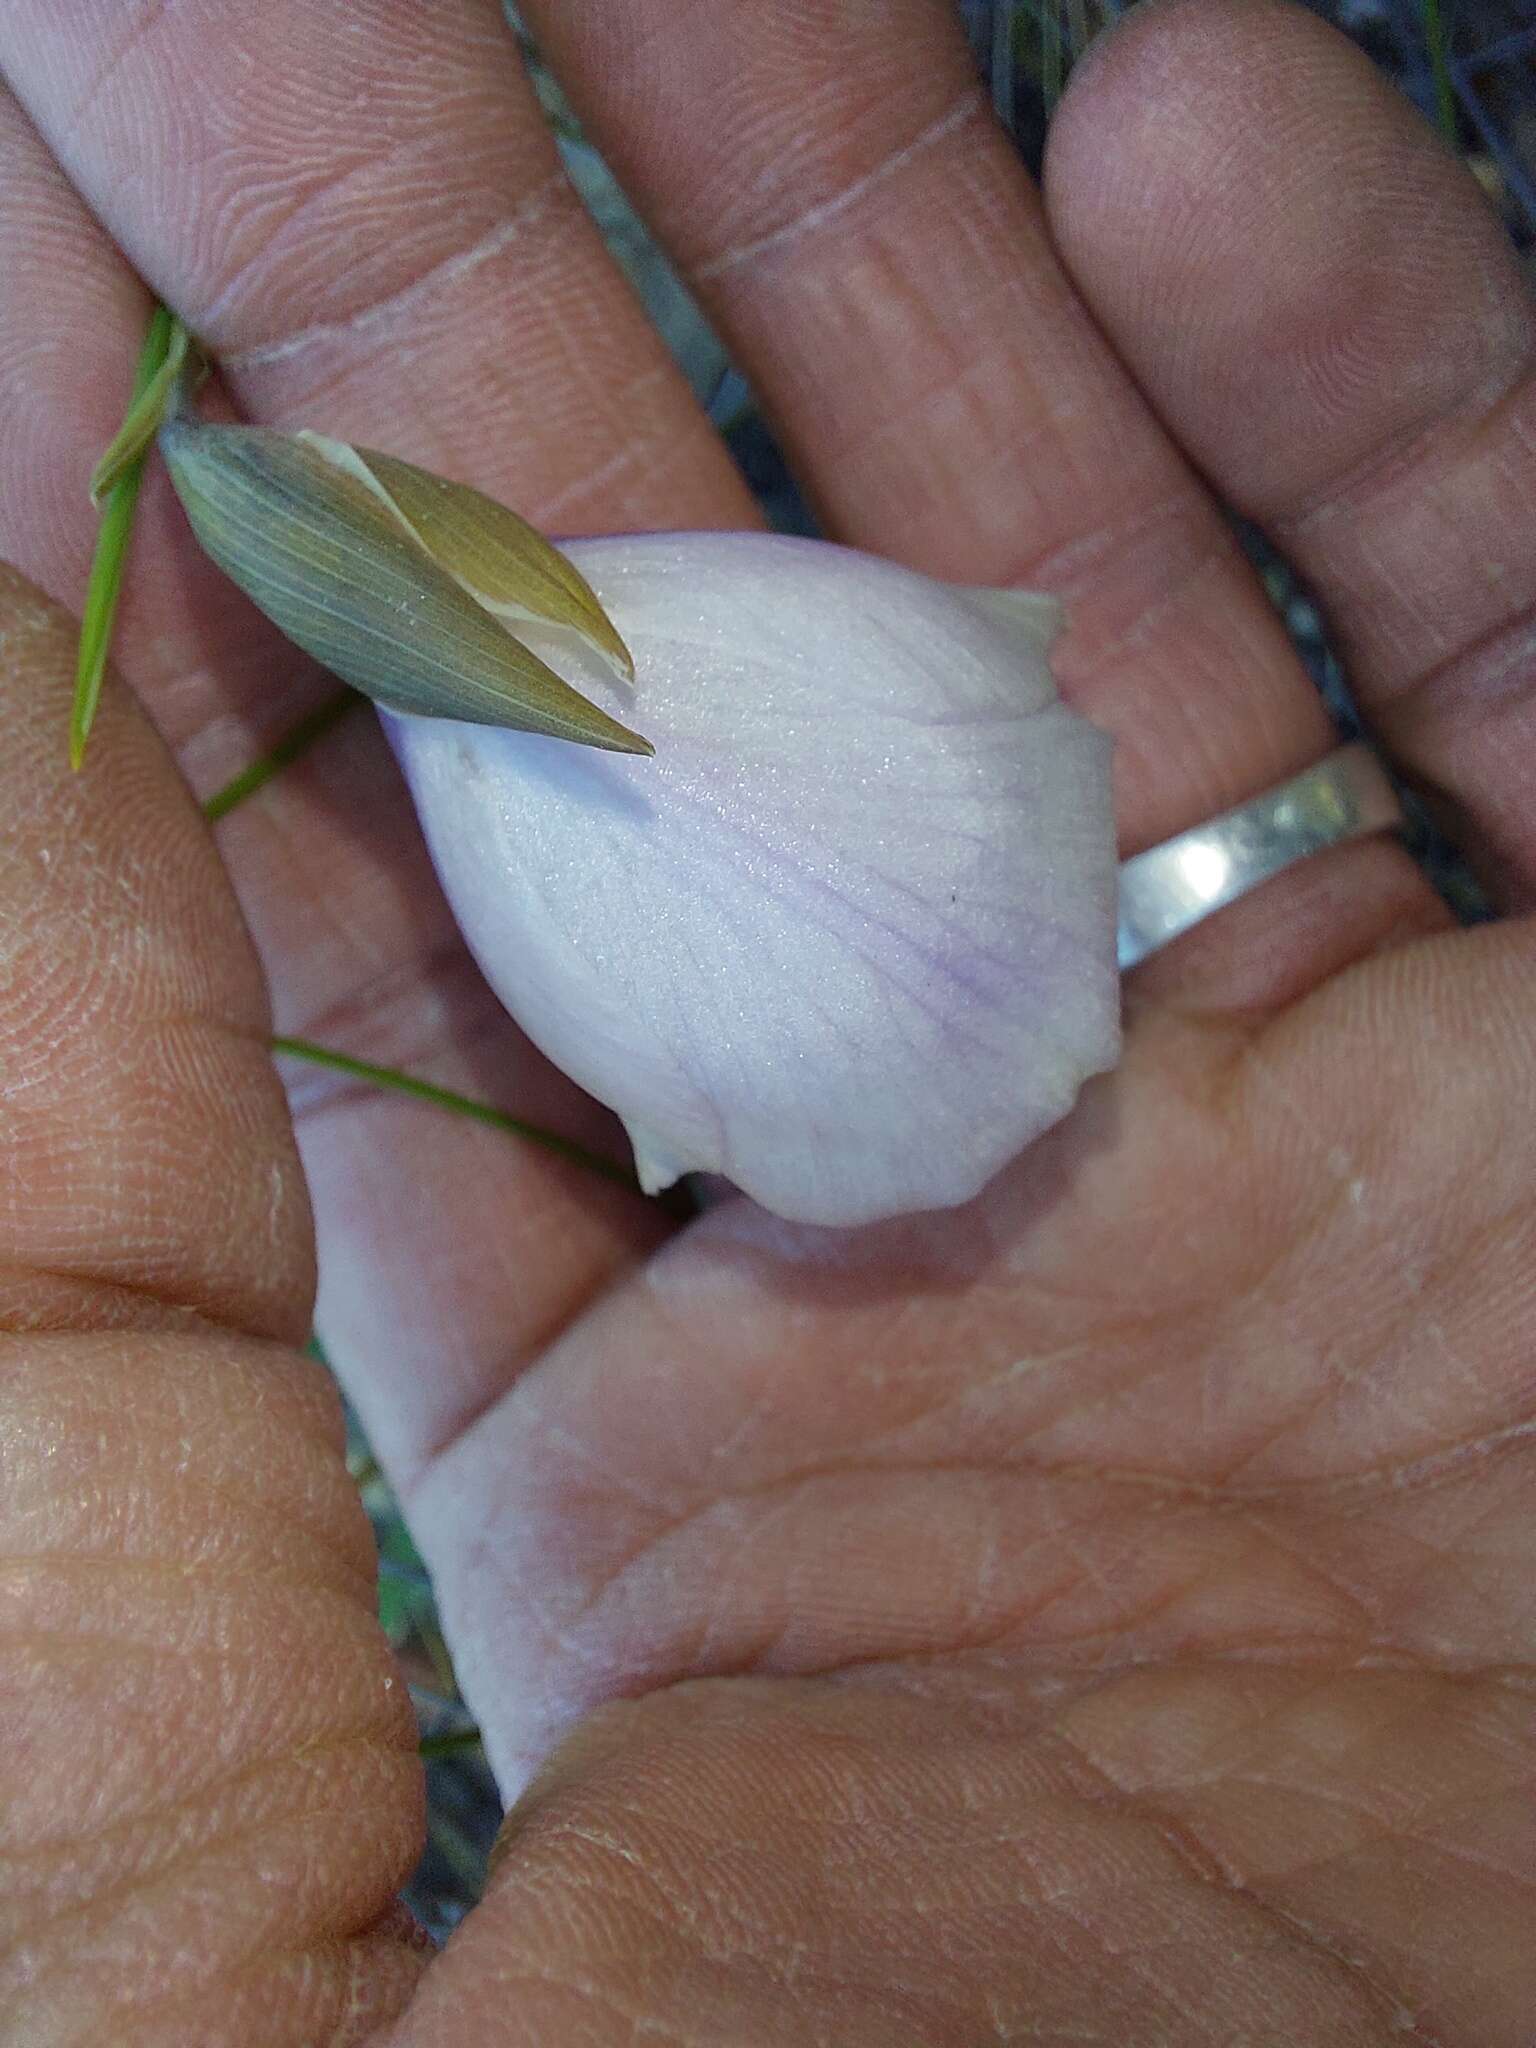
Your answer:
<point x="1173" y="886"/>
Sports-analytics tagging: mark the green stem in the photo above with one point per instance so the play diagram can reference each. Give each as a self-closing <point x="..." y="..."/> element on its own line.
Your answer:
<point x="464" y="1860"/>
<point x="444" y="1098"/>
<point x="365" y="1471"/>
<point x="1051" y="75"/>
<point x="116" y="530"/>
<point x="296" y="741"/>
<point x="142" y="421"/>
<point x="454" y="1744"/>
<point x="1439" y="45"/>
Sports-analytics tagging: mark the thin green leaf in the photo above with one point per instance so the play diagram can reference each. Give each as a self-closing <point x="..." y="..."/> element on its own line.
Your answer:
<point x="296" y="741"/>
<point x="142" y="421"/>
<point x="363" y="1470"/>
<point x="454" y="1743"/>
<point x="106" y="579"/>
<point x="1438" y="41"/>
<point x="466" y="1863"/>
<point x="445" y="1098"/>
<point x="1052" y="75"/>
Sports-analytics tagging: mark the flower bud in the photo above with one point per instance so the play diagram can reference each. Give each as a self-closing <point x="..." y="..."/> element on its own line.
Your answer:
<point x="414" y="590"/>
<point x="849" y="939"/>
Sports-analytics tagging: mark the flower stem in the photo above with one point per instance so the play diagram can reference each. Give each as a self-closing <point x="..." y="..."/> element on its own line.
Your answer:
<point x="453" y="1744"/>
<point x="365" y="1471"/>
<point x="142" y="420"/>
<point x="165" y="337"/>
<point x="444" y="1098"/>
<point x="1051" y="74"/>
<point x="1439" y="46"/>
<point x="296" y="741"/>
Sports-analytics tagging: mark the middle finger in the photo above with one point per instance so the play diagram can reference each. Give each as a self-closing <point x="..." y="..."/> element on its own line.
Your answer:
<point x="834" y="187"/>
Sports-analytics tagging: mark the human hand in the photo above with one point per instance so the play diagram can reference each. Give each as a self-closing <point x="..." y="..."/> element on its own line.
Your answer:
<point x="1104" y="1612"/>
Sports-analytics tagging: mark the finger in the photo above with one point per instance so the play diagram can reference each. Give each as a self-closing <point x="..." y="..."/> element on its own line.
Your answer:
<point x="367" y="212"/>
<point x="148" y="1155"/>
<point x="871" y="248"/>
<point x="174" y="1501"/>
<point x="359" y="946"/>
<point x="1322" y="308"/>
<point x="969" y="1853"/>
<point x="351" y="253"/>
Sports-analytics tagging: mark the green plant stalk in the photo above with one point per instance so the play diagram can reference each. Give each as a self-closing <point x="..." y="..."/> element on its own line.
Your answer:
<point x="453" y="1744"/>
<point x="365" y="1471"/>
<point x="1439" y="46"/>
<point x="1051" y="73"/>
<point x="296" y="741"/>
<point x="147" y="410"/>
<point x="465" y="1861"/>
<point x="461" y="1105"/>
<point x="106" y="579"/>
<point x="1005" y="27"/>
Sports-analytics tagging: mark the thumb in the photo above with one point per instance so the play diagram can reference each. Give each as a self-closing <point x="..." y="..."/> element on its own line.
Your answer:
<point x="193" y="1684"/>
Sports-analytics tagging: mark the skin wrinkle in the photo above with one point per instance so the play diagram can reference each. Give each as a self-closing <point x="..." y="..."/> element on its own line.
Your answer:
<point x="393" y="1711"/>
<point x="399" y="307"/>
<point x="347" y="1549"/>
<point x="1442" y="438"/>
<point x="592" y="484"/>
<point x="590" y="1993"/>
<point x="1369" y="1613"/>
<point x="1274" y="1915"/>
<point x="215" y="1578"/>
<point x="602" y="1587"/>
<point x="159" y="1314"/>
<point x="749" y="1659"/>
<point x="144" y="16"/>
<point x="213" y="742"/>
<point x="663" y="1907"/>
<point x="1440" y="1464"/>
<point x="1382" y="1831"/>
<point x="268" y="1968"/>
<point x="369" y="1021"/>
<point x="101" y="1833"/>
<point x="140" y="1887"/>
<point x="106" y="1644"/>
<point x="672" y="1912"/>
<point x="823" y="212"/>
<point x="1199" y="1857"/>
<point x="1494" y="671"/>
<point x="1200" y="1865"/>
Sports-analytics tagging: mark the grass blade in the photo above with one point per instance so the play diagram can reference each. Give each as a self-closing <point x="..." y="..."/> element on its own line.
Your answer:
<point x="142" y="420"/>
<point x="456" y="1743"/>
<point x="1438" y="42"/>
<point x="296" y="741"/>
<point x="460" y="1105"/>
<point x="105" y="585"/>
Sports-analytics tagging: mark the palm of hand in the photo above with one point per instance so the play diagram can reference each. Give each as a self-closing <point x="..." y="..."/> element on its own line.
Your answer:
<point x="1169" y="1501"/>
<point x="1141" y="1546"/>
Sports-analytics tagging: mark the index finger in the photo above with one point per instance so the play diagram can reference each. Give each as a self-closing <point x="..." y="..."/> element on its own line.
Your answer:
<point x="362" y="210"/>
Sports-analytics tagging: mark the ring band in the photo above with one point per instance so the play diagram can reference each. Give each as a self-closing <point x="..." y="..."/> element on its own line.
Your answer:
<point x="1173" y="886"/>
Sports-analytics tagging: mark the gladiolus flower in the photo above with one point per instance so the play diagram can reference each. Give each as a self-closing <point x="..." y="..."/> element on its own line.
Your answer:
<point x="847" y="940"/>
